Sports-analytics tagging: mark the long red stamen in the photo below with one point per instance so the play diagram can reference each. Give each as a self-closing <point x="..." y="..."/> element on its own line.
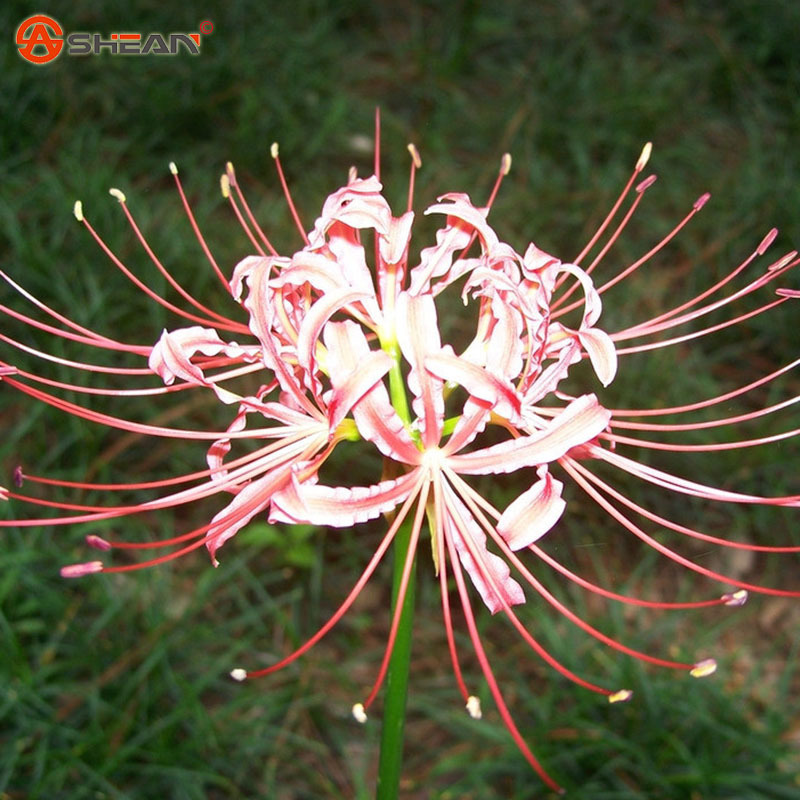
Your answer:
<point x="196" y="229"/>
<point x="286" y="193"/>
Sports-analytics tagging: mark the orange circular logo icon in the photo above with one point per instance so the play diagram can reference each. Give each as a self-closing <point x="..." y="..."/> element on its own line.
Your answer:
<point x="39" y="39"/>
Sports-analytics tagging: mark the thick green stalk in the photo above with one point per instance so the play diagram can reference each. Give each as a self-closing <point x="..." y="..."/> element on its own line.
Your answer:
<point x="394" y="707"/>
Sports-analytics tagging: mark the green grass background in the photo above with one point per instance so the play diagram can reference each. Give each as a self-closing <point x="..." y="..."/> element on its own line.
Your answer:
<point x="115" y="686"/>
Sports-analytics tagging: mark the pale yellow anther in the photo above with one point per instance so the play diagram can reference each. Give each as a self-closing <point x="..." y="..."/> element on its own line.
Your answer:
<point x="738" y="598"/>
<point x="273" y="150"/>
<point x="474" y="707"/>
<point x="359" y="714"/>
<point x="77" y="210"/>
<point x="703" y="669"/>
<point x="173" y="167"/>
<point x="225" y="186"/>
<point x="238" y="674"/>
<point x="644" y="157"/>
<point x="622" y="696"/>
<point x="412" y="149"/>
<point x="505" y="163"/>
<point x="117" y="195"/>
<point x="352" y="174"/>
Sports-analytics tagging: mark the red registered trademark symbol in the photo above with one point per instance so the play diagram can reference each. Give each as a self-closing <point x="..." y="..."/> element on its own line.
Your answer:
<point x="206" y="27"/>
<point x="42" y="32"/>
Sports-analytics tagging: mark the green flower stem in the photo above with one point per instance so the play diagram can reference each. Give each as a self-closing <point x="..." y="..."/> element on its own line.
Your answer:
<point x="394" y="708"/>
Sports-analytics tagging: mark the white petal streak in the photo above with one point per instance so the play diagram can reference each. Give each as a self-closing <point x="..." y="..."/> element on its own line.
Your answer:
<point x="489" y="573"/>
<point x="582" y="420"/>
<point x="340" y="506"/>
<point x="533" y="513"/>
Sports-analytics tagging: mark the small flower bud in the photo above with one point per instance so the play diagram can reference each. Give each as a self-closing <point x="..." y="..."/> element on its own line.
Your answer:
<point x="474" y="707"/>
<point x="19" y="477"/>
<point x="359" y="714"/>
<point x="238" y="674"/>
<point x="703" y="669"/>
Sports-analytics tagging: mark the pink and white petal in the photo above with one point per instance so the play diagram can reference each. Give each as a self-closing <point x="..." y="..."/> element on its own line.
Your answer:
<point x="357" y="383"/>
<point x="315" y="319"/>
<point x="479" y="382"/>
<point x="553" y="374"/>
<point x="582" y="420"/>
<point x="592" y="303"/>
<point x="340" y="506"/>
<point x="418" y="336"/>
<point x="602" y="353"/>
<point x="171" y="356"/>
<point x="250" y="266"/>
<point x="437" y="260"/>
<point x="533" y="513"/>
<point x="537" y="265"/>
<point x="376" y="419"/>
<point x="490" y="574"/>
<point x="221" y="447"/>
<point x="461" y="207"/>
<point x="394" y="244"/>
<point x="318" y="270"/>
<point x="251" y="500"/>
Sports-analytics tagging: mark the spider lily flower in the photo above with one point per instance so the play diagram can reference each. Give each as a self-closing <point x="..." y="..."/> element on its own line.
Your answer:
<point x="347" y="348"/>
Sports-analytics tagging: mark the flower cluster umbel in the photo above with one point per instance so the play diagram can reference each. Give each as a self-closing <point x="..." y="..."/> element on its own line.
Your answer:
<point x="344" y="340"/>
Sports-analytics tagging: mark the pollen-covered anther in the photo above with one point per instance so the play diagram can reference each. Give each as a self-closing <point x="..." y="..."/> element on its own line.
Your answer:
<point x="238" y="674"/>
<point x="505" y="163"/>
<point x="117" y="194"/>
<point x="359" y="714"/>
<point x="230" y="172"/>
<point x="77" y="210"/>
<point x="644" y="157"/>
<point x="225" y="186"/>
<point x="737" y="598"/>
<point x="703" y="669"/>
<point x="412" y="149"/>
<point x="173" y="167"/>
<point x="79" y="570"/>
<point x="644" y="185"/>
<point x="622" y="696"/>
<point x="3" y="493"/>
<point x="474" y="707"/>
<point x="701" y="201"/>
<point x="98" y="542"/>
<point x="273" y="149"/>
